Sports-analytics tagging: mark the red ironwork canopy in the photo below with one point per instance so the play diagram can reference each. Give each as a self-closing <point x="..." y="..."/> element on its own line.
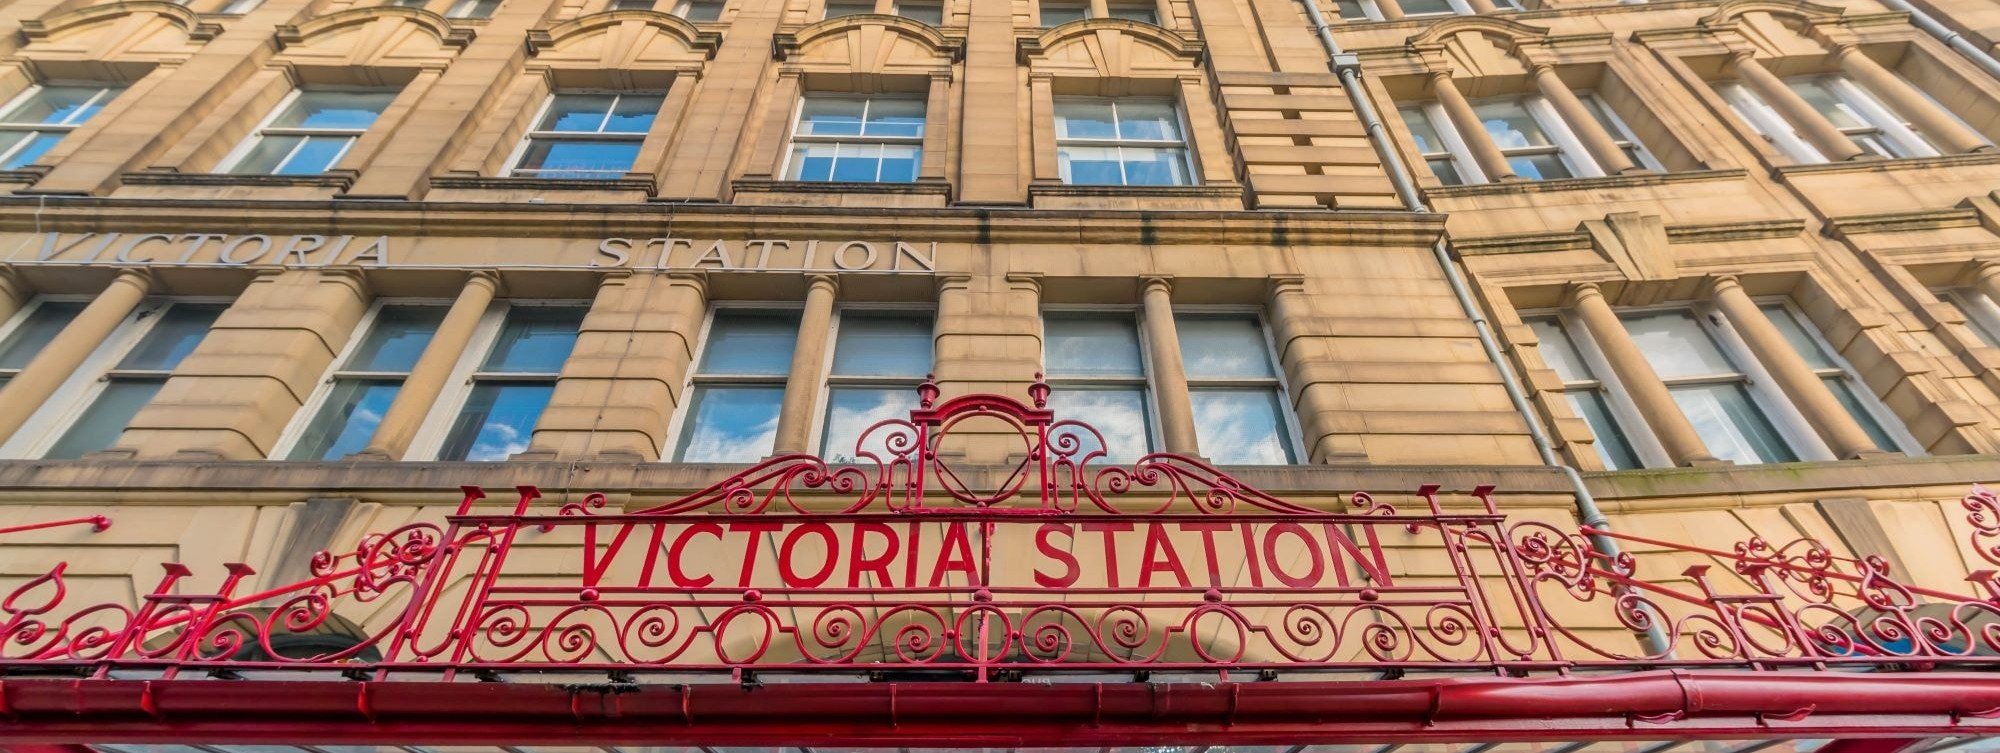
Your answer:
<point x="900" y="600"/>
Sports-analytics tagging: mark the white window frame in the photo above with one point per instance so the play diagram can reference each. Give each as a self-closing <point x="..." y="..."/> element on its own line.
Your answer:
<point x="1455" y="148"/>
<point x="528" y="137"/>
<point x="1292" y="432"/>
<point x="1881" y="121"/>
<point x="696" y="380"/>
<point x="1765" y="121"/>
<point x="68" y="125"/>
<point x="1370" y="11"/>
<point x="1458" y="8"/>
<point x="461" y="10"/>
<point x="264" y="130"/>
<point x="20" y="318"/>
<point x="1183" y="144"/>
<point x="1149" y="395"/>
<point x="337" y="370"/>
<point x="1563" y="141"/>
<point x="867" y="101"/>
<point x="1878" y="411"/>
<point x="823" y="400"/>
<point x="1621" y="133"/>
<point x="1645" y="443"/>
<point x="240" y="7"/>
<point x="1980" y="311"/>
<point x="685" y="7"/>
<point x="80" y="391"/>
<point x="466" y="376"/>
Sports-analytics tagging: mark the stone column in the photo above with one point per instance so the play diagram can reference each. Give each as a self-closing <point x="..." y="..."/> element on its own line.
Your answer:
<point x="1602" y="147"/>
<point x="1470" y="130"/>
<point x="1391" y="10"/>
<point x="1642" y="384"/>
<point x="1042" y="95"/>
<point x="989" y="339"/>
<point x="652" y="157"/>
<point x="28" y="390"/>
<point x="233" y="396"/>
<point x="1817" y="130"/>
<point x="767" y="158"/>
<point x="619" y="388"/>
<point x="1986" y="278"/>
<point x="1951" y="136"/>
<point x="1482" y="7"/>
<point x="1805" y="389"/>
<point x="795" y="419"/>
<point x="426" y="381"/>
<point x="1100" y="9"/>
<point x="1316" y="403"/>
<point x="1170" y="387"/>
<point x="937" y="128"/>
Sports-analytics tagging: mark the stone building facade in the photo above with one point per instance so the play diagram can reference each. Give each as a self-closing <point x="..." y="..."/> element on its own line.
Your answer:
<point x="280" y="272"/>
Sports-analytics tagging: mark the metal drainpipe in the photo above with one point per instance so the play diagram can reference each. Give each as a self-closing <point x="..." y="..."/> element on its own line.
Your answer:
<point x="1348" y="67"/>
<point x="1950" y="38"/>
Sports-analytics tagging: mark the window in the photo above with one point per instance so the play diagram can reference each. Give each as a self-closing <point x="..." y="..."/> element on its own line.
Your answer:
<point x="308" y="133"/>
<point x="1440" y="148"/>
<point x="1980" y="312"/>
<point x="1414" y="8"/>
<point x="839" y="8"/>
<point x="731" y="413"/>
<point x="1531" y="137"/>
<point x="859" y="140"/>
<point x="1358" y="10"/>
<point x="1867" y="122"/>
<point x="1059" y="13"/>
<point x="1711" y="387"/>
<point x="93" y="408"/>
<point x="1588" y="397"/>
<point x="1145" y="13"/>
<point x="418" y="4"/>
<point x="879" y="358"/>
<point x="1240" y="416"/>
<point x="31" y="331"/>
<point x="1874" y="417"/>
<point x="41" y="116"/>
<point x="513" y="363"/>
<point x="699" y="11"/>
<point x="927" y="11"/>
<point x="365" y="381"/>
<point x="240" y="7"/>
<point x="631" y="4"/>
<point x="1620" y="133"/>
<point x="1097" y="370"/>
<point x="472" y="9"/>
<point x="1120" y="142"/>
<point x="586" y="136"/>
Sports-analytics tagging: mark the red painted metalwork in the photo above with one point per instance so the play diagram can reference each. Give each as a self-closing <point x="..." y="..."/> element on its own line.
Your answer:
<point x="887" y="569"/>
<point x="98" y="524"/>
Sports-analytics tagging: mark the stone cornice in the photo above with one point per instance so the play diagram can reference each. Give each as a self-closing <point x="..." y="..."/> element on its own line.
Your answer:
<point x="1581" y="184"/>
<point x="1899" y="222"/>
<point x="1783" y="172"/>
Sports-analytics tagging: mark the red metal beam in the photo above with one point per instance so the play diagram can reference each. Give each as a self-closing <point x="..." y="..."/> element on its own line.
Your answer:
<point x="1870" y="745"/>
<point x="1647" y="705"/>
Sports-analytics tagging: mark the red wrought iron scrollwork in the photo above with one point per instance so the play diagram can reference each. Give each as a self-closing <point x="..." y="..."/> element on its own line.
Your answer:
<point x="903" y="557"/>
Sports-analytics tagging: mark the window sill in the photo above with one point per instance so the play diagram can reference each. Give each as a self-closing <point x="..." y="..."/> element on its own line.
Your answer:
<point x="338" y="179"/>
<point x="1991" y="157"/>
<point x="1582" y="184"/>
<point x="925" y="193"/>
<point x="512" y="183"/>
<point x="1064" y="196"/>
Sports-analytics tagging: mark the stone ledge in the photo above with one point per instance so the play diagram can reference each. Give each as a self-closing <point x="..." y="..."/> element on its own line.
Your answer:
<point x="1783" y="172"/>
<point x="918" y="188"/>
<point x="1582" y="184"/>
<point x="340" y="179"/>
<point x="1657" y="489"/>
<point x="511" y="183"/>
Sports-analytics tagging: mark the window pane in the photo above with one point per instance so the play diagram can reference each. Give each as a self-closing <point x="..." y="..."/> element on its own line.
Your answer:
<point x="1085" y="119"/>
<point x="35" y="332"/>
<point x="813" y="161"/>
<point x="858" y="163"/>
<point x="730" y="424"/>
<point x="895" y="117"/>
<point x="1106" y="346"/>
<point x="317" y="155"/>
<point x="1676" y="345"/>
<point x="496" y="422"/>
<point x="851" y="410"/>
<point x="634" y="113"/>
<point x="581" y="160"/>
<point x="269" y="153"/>
<point x="536" y="339"/>
<point x="1144" y="14"/>
<point x="632" y="4"/>
<point x="178" y="331"/>
<point x="930" y="13"/>
<point x="701" y="12"/>
<point x="1241" y="427"/>
<point x="899" y="163"/>
<point x="1351" y="10"/>
<point x="1802" y="342"/>
<point x="1090" y="165"/>
<point x="1539" y="166"/>
<point x="831" y="116"/>
<point x="1155" y="167"/>
<point x="1222" y="347"/>
<point x="839" y="9"/>
<point x="1422" y="130"/>
<point x="347" y="420"/>
<point x="106" y="418"/>
<point x="1154" y="121"/>
<point x="350" y="110"/>
<point x="1559" y="351"/>
<point x="1843" y="390"/>
<point x="576" y="112"/>
<point x="750" y="344"/>
<point x="1822" y="98"/>
<point x="1427" y="7"/>
<point x="1119" y="414"/>
<point x="1510" y="125"/>
<point x="1731" y="425"/>
<point x="883" y="345"/>
<point x="397" y="338"/>
<point x="474" y="9"/>
<point x="1446" y="171"/>
<point x="1056" y="14"/>
<point x="38" y="144"/>
<point x="1612" y="447"/>
<point x="59" y="105"/>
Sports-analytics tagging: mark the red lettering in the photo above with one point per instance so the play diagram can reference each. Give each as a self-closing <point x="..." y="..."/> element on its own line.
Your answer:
<point x="1214" y="562"/>
<point x="751" y="544"/>
<point x="652" y="556"/>
<point x="1313" y="555"/>
<point x="1160" y="557"/>
<point x="954" y="555"/>
<point x="788" y="555"/>
<point x="594" y="566"/>
<point x="678" y="552"/>
<point x="1110" y="548"/>
<point x="916" y="545"/>
<point x="1049" y="550"/>
<point x="1250" y="555"/>
<point x="859" y="562"/>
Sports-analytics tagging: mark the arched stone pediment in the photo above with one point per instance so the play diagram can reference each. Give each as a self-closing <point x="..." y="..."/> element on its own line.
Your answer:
<point x="1510" y="30"/>
<point x="1732" y="10"/>
<point x="378" y="36"/>
<point x="152" y="30"/>
<point x="871" y="43"/>
<point x="1111" y="47"/>
<point x="625" y="40"/>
